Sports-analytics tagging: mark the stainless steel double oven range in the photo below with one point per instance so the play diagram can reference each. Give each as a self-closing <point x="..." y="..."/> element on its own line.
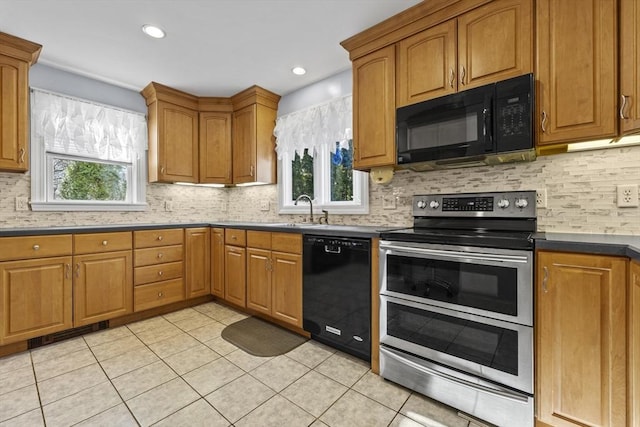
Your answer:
<point x="456" y="303"/>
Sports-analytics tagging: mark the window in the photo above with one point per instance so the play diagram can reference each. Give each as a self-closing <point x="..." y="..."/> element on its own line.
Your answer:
<point x="86" y="156"/>
<point x="315" y="152"/>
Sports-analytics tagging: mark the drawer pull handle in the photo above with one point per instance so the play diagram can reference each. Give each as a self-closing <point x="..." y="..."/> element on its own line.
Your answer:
<point x="105" y="243"/>
<point x="543" y="122"/>
<point x="160" y="255"/>
<point x="160" y="295"/>
<point x="21" y="154"/>
<point x="623" y="106"/>
<point x="36" y="247"/>
<point x="160" y="238"/>
<point x="159" y="273"/>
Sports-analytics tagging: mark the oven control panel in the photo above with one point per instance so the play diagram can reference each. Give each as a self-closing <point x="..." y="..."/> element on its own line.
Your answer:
<point x="512" y="204"/>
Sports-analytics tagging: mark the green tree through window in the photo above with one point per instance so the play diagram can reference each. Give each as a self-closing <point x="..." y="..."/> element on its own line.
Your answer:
<point x="78" y="180"/>
<point x="302" y="175"/>
<point x="342" y="173"/>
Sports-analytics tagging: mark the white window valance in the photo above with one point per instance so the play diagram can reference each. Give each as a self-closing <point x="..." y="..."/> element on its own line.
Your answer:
<point x="77" y="127"/>
<point x="315" y="128"/>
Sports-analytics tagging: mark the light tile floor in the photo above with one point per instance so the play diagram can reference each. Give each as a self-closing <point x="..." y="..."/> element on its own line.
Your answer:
<point x="176" y="370"/>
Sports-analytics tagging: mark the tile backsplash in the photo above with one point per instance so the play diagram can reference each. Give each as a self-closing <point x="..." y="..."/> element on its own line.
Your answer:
<point x="581" y="196"/>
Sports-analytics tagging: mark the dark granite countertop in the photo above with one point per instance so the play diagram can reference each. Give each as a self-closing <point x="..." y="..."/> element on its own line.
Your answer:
<point x="598" y="244"/>
<point x="318" y="229"/>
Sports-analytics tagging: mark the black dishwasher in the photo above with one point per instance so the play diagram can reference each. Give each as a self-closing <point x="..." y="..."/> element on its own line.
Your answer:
<point x="336" y="295"/>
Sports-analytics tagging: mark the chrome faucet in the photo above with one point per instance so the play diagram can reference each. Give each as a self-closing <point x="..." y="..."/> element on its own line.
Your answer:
<point x="304" y="196"/>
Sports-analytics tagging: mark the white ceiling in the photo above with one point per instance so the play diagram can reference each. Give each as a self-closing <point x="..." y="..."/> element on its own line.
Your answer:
<point x="212" y="48"/>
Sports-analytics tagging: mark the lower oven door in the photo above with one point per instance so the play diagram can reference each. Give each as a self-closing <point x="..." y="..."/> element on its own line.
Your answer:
<point x="487" y="348"/>
<point x="482" y="399"/>
<point x="496" y="283"/>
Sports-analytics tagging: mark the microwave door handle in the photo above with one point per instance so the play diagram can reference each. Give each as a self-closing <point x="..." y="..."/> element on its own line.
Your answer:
<point x="487" y="129"/>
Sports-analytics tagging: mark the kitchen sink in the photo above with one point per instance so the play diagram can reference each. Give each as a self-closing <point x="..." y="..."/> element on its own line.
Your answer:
<point x="295" y="225"/>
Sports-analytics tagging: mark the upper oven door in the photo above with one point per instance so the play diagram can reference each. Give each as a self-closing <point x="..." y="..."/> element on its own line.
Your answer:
<point x="496" y="283"/>
<point x="453" y="126"/>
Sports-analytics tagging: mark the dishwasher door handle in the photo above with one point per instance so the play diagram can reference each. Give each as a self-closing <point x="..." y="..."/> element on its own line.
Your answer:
<point x="332" y="250"/>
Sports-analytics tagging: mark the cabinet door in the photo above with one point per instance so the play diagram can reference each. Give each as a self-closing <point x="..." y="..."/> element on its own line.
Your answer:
<point x="103" y="287"/>
<point x="374" y="109"/>
<point x="629" y="65"/>
<point x="178" y="143"/>
<point x="495" y="42"/>
<point x="35" y="298"/>
<point x="217" y="262"/>
<point x="215" y="148"/>
<point x="14" y="115"/>
<point x="427" y="64"/>
<point x="244" y="144"/>
<point x="287" y="288"/>
<point x="198" y="245"/>
<point x="235" y="275"/>
<point x="576" y="69"/>
<point x="259" y="280"/>
<point x="580" y="349"/>
<point x="634" y="345"/>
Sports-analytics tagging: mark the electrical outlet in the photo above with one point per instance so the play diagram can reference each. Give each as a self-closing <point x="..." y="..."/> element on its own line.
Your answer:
<point x="264" y="205"/>
<point x="22" y="203"/>
<point x="168" y="205"/>
<point x="627" y="196"/>
<point x="541" y="198"/>
<point x="389" y="202"/>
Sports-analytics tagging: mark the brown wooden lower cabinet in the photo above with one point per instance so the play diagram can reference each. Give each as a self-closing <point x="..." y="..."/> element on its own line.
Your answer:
<point x="103" y="286"/>
<point x="259" y="280"/>
<point x="197" y="258"/>
<point x="287" y="288"/>
<point x="217" y="262"/>
<point x="633" y="362"/>
<point x="35" y="298"/>
<point x="581" y="361"/>
<point x="235" y="275"/>
<point x="157" y="294"/>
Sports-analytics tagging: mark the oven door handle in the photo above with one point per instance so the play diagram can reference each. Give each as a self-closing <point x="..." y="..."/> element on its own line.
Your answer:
<point x="457" y="255"/>
<point x="518" y="397"/>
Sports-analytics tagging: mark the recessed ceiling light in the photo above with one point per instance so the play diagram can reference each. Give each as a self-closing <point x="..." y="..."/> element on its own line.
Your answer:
<point x="153" y="31"/>
<point x="298" y="71"/>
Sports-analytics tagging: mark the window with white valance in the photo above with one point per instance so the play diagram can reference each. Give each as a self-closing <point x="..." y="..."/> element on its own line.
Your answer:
<point x="315" y="157"/>
<point x="85" y="155"/>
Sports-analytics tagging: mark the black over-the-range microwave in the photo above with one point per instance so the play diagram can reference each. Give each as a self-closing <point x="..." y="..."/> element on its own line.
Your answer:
<point x="486" y="125"/>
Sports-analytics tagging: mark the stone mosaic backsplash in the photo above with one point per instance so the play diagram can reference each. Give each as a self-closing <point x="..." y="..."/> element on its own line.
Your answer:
<point x="581" y="196"/>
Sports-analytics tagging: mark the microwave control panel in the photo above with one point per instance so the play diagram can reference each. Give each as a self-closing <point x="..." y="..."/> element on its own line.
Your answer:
<point x="516" y="204"/>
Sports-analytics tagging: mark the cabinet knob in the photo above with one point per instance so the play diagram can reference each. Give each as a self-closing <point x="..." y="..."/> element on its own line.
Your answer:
<point x="234" y="238"/>
<point x="160" y="238"/>
<point x="159" y="273"/>
<point x="160" y="294"/>
<point x="105" y="243"/>
<point x="160" y="255"/>
<point x="36" y="247"/>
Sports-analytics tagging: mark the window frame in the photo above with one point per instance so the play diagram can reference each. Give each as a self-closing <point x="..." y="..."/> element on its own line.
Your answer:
<point x="322" y="188"/>
<point x="41" y="171"/>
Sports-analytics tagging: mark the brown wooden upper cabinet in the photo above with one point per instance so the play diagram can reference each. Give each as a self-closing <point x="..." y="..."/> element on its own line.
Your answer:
<point x="490" y="43"/>
<point x="629" y="66"/>
<point x="16" y="56"/>
<point x="173" y="134"/>
<point x="374" y="109"/>
<point x="576" y="70"/>
<point x="254" y="118"/>
<point x="211" y="140"/>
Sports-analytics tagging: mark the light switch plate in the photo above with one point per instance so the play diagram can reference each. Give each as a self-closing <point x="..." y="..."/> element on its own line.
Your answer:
<point x="264" y="205"/>
<point x="22" y="203"/>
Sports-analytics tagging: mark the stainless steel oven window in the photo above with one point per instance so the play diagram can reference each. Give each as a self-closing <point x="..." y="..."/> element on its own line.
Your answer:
<point x="497" y="283"/>
<point x="474" y="344"/>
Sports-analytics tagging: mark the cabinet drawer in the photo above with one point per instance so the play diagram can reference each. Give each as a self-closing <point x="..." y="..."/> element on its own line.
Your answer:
<point x="101" y="242"/>
<point x="164" y="237"/>
<point x="287" y="242"/>
<point x="159" y="255"/>
<point x="235" y="237"/>
<point x="157" y="294"/>
<point x="259" y="239"/>
<point x="25" y="247"/>
<point x="155" y="273"/>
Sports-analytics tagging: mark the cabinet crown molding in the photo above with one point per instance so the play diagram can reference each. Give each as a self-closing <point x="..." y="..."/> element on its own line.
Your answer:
<point x="255" y="95"/>
<point x="18" y="48"/>
<point x="158" y="92"/>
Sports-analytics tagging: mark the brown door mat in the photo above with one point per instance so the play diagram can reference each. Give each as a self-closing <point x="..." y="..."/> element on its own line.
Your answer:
<point x="261" y="338"/>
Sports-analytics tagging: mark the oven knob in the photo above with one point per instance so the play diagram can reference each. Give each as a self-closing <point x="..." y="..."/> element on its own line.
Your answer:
<point x="421" y="204"/>
<point x="521" y="203"/>
<point x="434" y="204"/>
<point x="503" y="203"/>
